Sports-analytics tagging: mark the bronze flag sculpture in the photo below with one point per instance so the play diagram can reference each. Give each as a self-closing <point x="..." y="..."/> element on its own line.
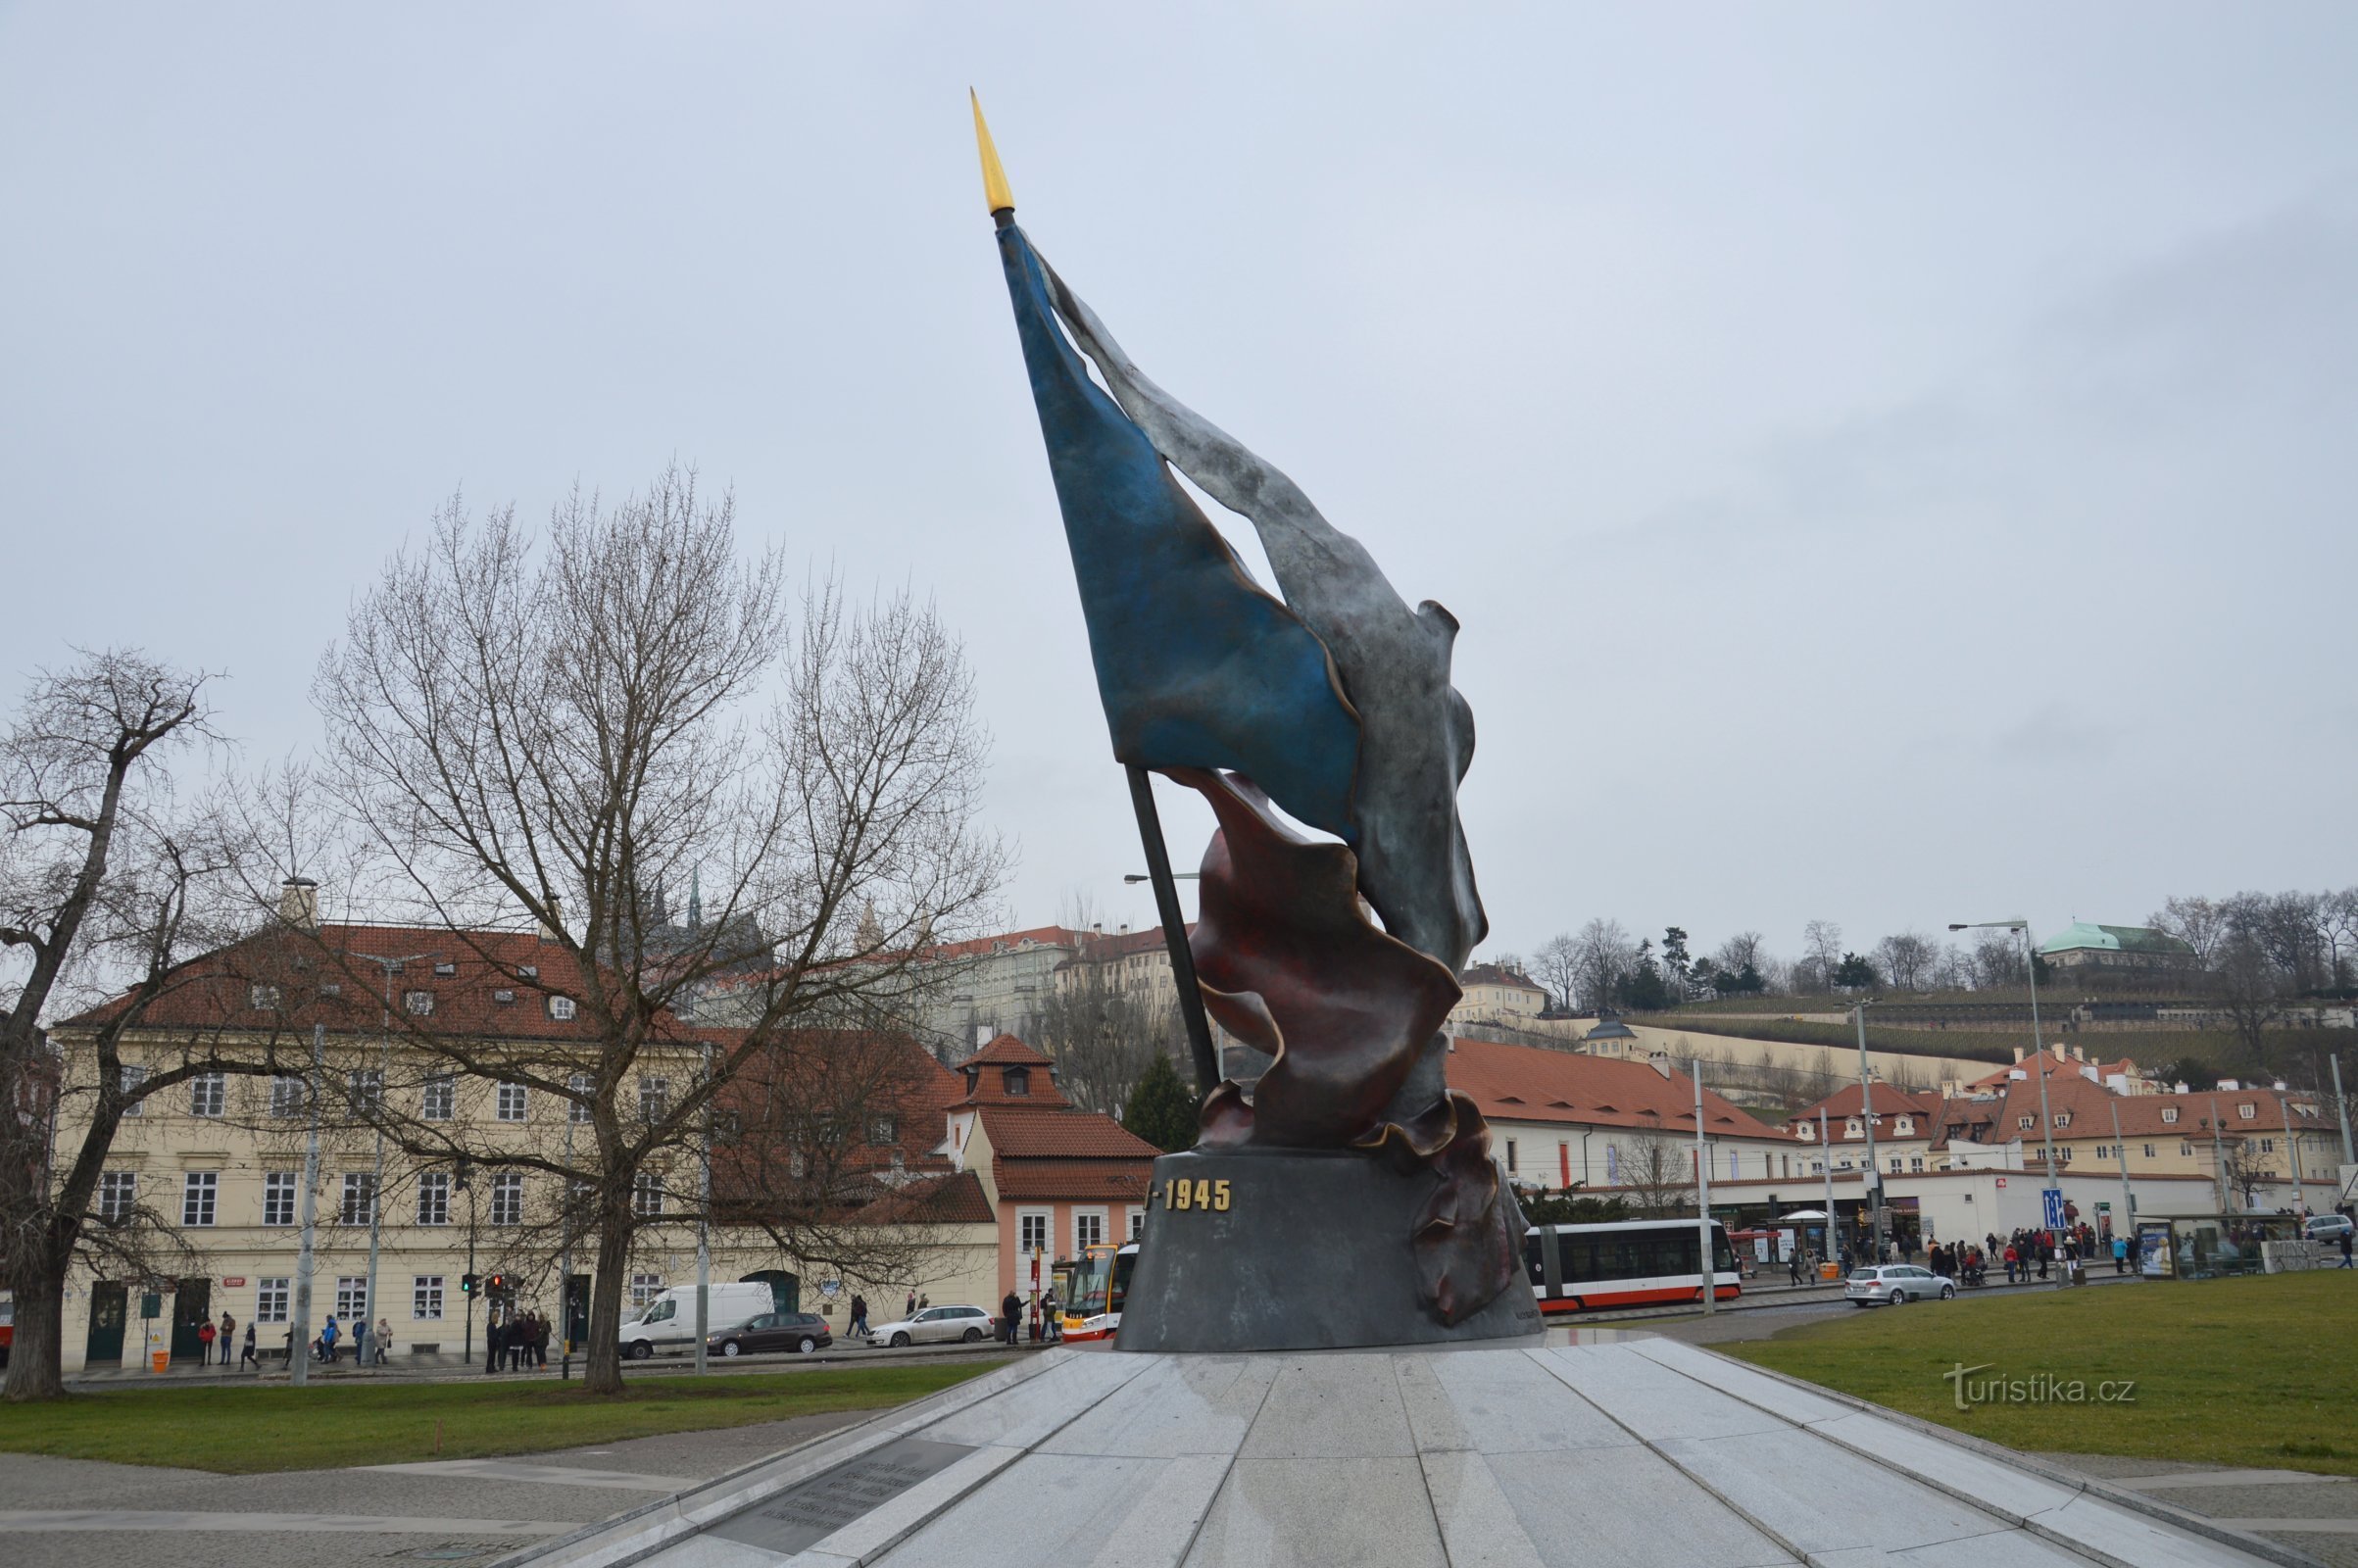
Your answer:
<point x="1346" y="1195"/>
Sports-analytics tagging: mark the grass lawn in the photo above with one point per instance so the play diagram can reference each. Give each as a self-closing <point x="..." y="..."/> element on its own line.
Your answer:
<point x="2254" y="1372"/>
<point x="238" y="1431"/>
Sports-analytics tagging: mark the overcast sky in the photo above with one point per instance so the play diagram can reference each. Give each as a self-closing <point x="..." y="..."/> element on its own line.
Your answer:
<point x="1893" y="464"/>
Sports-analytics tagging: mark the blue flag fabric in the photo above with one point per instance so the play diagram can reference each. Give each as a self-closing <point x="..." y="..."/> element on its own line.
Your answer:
<point x="1197" y="666"/>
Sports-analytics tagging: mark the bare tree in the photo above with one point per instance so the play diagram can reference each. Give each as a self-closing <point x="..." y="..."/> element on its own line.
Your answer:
<point x="1605" y="954"/>
<point x="107" y="883"/>
<point x="1821" y="955"/>
<point x="2250" y="991"/>
<point x="1909" y="959"/>
<point x="1997" y="962"/>
<point x="1102" y="1036"/>
<point x="2196" y="921"/>
<point x="564" y="725"/>
<point x="1658" y="1170"/>
<point x="2337" y="927"/>
<point x="1556" y="964"/>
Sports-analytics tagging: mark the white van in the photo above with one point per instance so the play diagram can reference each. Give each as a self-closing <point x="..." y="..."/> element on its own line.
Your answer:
<point x="670" y="1321"/>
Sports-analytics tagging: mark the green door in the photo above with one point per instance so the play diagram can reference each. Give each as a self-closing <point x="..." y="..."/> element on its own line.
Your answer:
<point x="785" y="1289"/>
<point x="191" y="1308"/>
<point x="108" y="1310"/>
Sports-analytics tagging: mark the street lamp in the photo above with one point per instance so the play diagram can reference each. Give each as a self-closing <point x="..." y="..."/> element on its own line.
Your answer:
<point x="1866" y="1113"/>
<point x="384" y="1065"/>
<point x="2050" y="1205"/>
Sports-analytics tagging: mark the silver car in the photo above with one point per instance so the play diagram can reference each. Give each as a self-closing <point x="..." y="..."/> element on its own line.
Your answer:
<point x="936" y="1325"/>
<point x="1895" y="1284"/>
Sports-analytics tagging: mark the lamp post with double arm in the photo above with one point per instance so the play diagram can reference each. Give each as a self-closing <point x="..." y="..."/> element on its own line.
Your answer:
<point x="2049" y="1205"/>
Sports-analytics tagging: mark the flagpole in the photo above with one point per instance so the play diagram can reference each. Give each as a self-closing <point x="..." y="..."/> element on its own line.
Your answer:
<point x="1174" y="930"/>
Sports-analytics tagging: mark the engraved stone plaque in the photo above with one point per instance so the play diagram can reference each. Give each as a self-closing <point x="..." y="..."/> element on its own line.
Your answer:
<point x="809" y="1510"/>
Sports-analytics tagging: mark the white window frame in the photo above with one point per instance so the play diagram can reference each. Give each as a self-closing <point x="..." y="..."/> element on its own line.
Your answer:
<point x="577" y="1111"/>
<point x="417" y="1004"/>
<point x="645" y="1288"/>
<point x="1044" y="1236"/>
<point x="647" y="1195"/>
<point x="654" y="1098"/>
<point x="561" y="1009"/>
<point x="131" y="1079"/>
<point x="1080" y="1219"/>
<point x="365" y="1090"/>
<point x="280" y="1188"/>
<point x="208" y="1095"/>
<point x="117" y="1194"/>
<point x="356" y="1183"/>
<point x="438" y="1097"/>
<point x="507" y="1196"/>
<point x="425" y="1298"/>
<point x="352" y="1297"/>
<point x="1137" y="1216"/>
<point x="2169" y="1114"/>
<point x="274" y="1298"/>
<point x="2244" y="1112"/>
<point x="262" y="998"/>
<point x="433" y="1197"/>
<point x="512" y="1103"/>
<point x="199" y="1199"/>
<point x="286" y="1096"/>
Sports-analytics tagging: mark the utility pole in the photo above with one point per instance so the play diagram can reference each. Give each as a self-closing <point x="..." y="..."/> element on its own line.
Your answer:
<point x="1702" y="1194"/>
<point x="2050" y="1195"/>
<point x="2219" y="1161"/>
<point x="298" y="1348"/>
<point x="2349" y="1152"/>
<point x="1834" y="1253"/>
<point x="465" y="1175"/>
<point x="1866" y="1119"/>
<point x="2120" y="1153"/>
<point x="704" y="1207"/>
<point x="2293" y="1150"/>
<point x="564" y="1262"/>
<point x="388" y="968"/>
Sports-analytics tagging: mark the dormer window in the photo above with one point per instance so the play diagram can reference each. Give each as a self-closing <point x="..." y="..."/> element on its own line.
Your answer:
<point x="1016" y="1081"/>
<point x="1906" y="1129"/>
<point x="974" y="1081"/>
<point x="446" y="970"/>
<point x="2248" y="1112"/>
<point x="2063" y="1118"/>
<point x="1851" y="1129"/>
<point x="2169" y="1112"/>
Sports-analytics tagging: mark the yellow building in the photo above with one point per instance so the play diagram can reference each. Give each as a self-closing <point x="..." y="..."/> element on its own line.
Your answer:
<point x="218" y="1160"/>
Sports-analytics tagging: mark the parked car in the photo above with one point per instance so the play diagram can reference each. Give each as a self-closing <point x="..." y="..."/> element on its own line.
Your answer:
<point x="670" y="1321"/>
<point x="1895" y="1284"/>
<point x="2326" y="1227"/>
<point x="936" y="1325"/>
<point x="800" y="1332"/>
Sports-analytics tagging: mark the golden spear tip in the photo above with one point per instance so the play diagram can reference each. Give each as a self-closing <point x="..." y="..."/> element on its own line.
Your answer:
<point x="996" y="195"/>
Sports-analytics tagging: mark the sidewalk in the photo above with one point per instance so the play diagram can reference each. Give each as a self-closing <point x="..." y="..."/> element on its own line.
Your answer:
<point x="2316" y="1514"/>
<point x="440" y="1368"/>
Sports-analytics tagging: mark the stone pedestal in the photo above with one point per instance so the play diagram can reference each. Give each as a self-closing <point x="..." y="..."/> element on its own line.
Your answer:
<point x="1292" y="1249"/>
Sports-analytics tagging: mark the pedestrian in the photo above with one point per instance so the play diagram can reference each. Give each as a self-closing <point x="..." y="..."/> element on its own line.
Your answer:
<point x="1055" y="1315"/>
<point x="910" y="1309"/>
<point x="2120" y="1253"/>
<point x="384" y="1339"/>
<point x="2013" y="1257"/>
<point x="2043" y="1256"/>
<point x="540" y="1341"/>
<point x="227" y="1334"/>
<point x="205" y="1332"/>
<point x="860" y="1316"/>
<point x="1012" y="1311"/>
<point x="924" y="1302"/>
<point x="2345" y="1250"/>
<point x="249" y="1354"/>
<point x="1792" y="1266"/>
<point x="327" y="1340"/>
<point x="493" y="1338"/>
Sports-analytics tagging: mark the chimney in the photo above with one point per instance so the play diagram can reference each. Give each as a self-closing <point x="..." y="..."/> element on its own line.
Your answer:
<point x="549" y="928"/>
<point x="1662" y="1064"/>
<point x="299" y="902"/>
<point x="2017" y="1057"/>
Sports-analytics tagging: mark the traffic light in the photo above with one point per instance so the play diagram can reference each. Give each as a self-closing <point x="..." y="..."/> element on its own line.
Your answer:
<point x="467" y="1284"/>
<point x="495" y="1284"/>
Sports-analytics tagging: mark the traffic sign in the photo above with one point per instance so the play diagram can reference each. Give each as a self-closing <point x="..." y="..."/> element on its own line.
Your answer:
<point x="2054" y="1208"/>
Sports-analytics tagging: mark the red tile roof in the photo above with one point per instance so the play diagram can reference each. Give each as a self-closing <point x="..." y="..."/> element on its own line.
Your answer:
<point x="1062" y="1135"/>
<point x="1845" y="1102"/>
<point x="984" y="1076"/>
<point x="2091" y="1109"/>
<point x="327" y="978"/>
<point x="1491" y="974"/>
<point x="1530" y="1083"/>
<point x="2057" y="1064"/>
<point x="954" y="1199"/>
<point x="1008" y="1051"/>
<point x="1074" y="1180"/>
<point x="1049" y="936"/>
